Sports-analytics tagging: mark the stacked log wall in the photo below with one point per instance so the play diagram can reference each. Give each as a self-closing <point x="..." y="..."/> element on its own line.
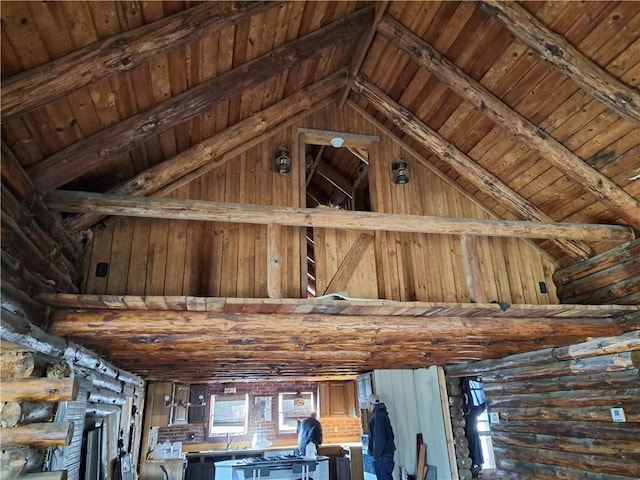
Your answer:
<point x="610" y="277"/>
<point x="458" y="423"/>
<point x="38" y="254"/>
<point x="554" y="409"/>
<point x="39" y="373"/>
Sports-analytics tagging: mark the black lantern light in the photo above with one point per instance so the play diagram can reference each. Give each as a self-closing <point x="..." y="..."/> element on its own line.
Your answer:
<point x="400" y="171"/>
<point x="282" y="160"/>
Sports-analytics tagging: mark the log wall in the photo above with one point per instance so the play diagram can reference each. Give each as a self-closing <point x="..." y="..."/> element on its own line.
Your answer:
<point x="554" y="409"/>
<point x="41" y="372"/>
<point x="162" y="257"/>
<point x="38" y="255"/>
<point x="611" y="277"/>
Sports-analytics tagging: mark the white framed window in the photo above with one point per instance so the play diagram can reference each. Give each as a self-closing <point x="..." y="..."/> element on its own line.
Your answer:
<point x="228" y="414"/>
<point x="484" y="432"/>
<point x="293" y="406"/>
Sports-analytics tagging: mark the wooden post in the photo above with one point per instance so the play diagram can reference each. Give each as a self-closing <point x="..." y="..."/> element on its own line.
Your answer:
<point x="274" y="261"/>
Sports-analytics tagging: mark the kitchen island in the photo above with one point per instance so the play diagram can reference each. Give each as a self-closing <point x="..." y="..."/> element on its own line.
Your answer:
<point x="273" y="467"/>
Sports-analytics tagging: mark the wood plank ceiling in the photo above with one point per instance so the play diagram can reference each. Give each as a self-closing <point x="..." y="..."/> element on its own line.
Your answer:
<point x="532" y="108"/>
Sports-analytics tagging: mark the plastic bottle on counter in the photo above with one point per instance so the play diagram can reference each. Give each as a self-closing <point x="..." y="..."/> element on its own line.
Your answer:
<point x="166" y="449"/>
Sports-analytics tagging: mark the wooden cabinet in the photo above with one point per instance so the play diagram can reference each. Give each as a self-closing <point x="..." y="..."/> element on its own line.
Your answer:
<point x="337" y="399"/>
<point x="198" y="414"/>
<point x="179" y="413"/>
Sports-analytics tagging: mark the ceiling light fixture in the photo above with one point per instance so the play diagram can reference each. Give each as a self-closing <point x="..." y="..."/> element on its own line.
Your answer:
<point x="337" y="142"/>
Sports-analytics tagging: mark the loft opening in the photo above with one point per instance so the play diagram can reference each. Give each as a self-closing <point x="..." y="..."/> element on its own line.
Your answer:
<point x="336" y="175"/>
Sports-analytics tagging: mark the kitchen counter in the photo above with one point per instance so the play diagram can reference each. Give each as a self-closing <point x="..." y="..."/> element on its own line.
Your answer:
<point x="277" y="467"/>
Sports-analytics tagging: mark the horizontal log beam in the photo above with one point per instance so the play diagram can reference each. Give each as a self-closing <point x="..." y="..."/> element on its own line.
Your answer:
<point x="625" y="449"/>
<point x="39" y="389"/>
<point x="585" y="463"/>
<point x="175" y="209"/>
<point x="75" y="322"/>
<point x="37" y="435"/>
<point x="578" y="398"/>
<point x="220" y="148"/>
<point x="583" y="414"/>
<point x="599" y="346"/>
<point x="346" y="306"/>
<point x="601" y="430"/>
<point x="604" y="363"/>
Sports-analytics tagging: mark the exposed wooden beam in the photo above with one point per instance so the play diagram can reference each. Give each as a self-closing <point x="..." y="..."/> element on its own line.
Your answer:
<point x="362" y="49"/>
<point x="557" y="51"/>
<point x="453" y="185"/>
<point x="622" y="343"/>
<point x="39" y="389"/>
<point x="223" y="305"/>
<point x="120" y="53"/>
<point x="163" y="177"/>
<point x="177" y="209"/>
<point x="515" y="124"/>
<point x="349" y="263"/>
<point x="274" y="261"/>
<point x="473" y="268"/>
<point x="101" y="147"/>
<point x="486" y="182"/>
<point x="37" y="435"/>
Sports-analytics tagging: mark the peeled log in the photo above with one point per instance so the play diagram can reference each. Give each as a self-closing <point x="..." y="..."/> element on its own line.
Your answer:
<point x="12" y="462"/>
<point x="35" y="459"/>
<point x="10" y="413"/>
<point x="17" y="364"/>
<point x="37" y="435"/>
<point x="39" y="389"/>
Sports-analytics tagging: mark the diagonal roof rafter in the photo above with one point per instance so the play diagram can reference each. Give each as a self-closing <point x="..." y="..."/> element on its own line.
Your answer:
<point x="100" y="148"/>
<point x="512" y="122"/>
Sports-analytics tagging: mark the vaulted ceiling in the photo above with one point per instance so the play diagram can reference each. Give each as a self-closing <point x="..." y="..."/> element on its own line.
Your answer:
<point x="531" y="108"/>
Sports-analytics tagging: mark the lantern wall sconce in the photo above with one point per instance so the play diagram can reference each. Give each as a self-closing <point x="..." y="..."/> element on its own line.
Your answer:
<point x="282" y="160"/>
<point x="400" y="172"/>
<point x="169" y="402"/>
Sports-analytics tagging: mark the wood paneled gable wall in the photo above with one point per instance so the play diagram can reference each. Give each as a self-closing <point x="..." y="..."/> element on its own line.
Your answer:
<point x="174" y="257"/>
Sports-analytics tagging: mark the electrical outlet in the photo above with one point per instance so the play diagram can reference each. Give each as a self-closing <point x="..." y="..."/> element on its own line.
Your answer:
<point x="494" y="417"/>
<point x="617" y="414"/>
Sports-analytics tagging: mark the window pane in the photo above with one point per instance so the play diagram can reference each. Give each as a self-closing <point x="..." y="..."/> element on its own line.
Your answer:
<point x="228" y="414"/>
<point x="293" y="407"/>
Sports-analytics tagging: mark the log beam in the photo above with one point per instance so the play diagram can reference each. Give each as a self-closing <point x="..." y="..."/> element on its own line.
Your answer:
<point x="37" y="435"/>
<point x="99" y="148"/>
<point x="557" y="51"/>
<point x="198" y="158"/>
<point x="486" y="182"/>
<point x="176" y="209"/>
<point x="604" y="189"/>
<point x="629" y="341"/>
<point x="39" y="389"/>
<point x="119" y="53"/>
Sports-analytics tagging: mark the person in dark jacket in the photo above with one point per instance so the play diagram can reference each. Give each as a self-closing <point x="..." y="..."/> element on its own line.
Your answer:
<point x="381" y="439"/>
<point x="309" y="430"/>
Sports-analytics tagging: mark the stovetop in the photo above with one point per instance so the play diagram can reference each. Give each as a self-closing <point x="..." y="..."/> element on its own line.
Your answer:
<point x="271" y="460"/>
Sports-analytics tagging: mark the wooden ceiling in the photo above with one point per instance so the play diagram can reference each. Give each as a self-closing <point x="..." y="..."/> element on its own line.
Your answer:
<point x="531" y="108"/>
